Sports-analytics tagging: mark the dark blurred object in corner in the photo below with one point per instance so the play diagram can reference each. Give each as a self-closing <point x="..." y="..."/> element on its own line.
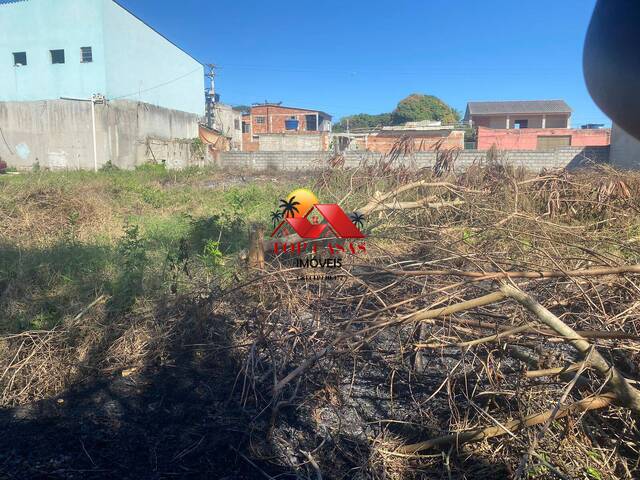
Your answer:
<point x="3" y="166"/>
<point x="612" y="61"/>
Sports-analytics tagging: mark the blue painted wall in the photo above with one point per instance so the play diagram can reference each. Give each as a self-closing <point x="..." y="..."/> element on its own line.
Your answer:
<point x="38" y="26"/>
<point x="130" y="60"/>
<point x="143" y="65"/>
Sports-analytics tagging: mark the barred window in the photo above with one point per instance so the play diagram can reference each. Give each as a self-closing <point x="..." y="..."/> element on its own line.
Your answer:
<point x="86" y="54"/>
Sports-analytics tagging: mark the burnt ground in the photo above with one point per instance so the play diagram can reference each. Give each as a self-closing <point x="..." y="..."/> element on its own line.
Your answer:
<point x="195" y="414"/>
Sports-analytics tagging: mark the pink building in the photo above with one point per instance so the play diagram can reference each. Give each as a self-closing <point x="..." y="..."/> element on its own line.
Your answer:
<point x="541" y="138"/>
<point x="529" y="125"/>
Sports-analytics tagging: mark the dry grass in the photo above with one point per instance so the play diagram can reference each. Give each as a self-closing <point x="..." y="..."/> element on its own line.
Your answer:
<point x="338" y="376"/>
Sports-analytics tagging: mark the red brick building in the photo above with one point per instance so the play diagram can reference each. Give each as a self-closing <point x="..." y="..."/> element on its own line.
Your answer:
<point x="277" y="125"/>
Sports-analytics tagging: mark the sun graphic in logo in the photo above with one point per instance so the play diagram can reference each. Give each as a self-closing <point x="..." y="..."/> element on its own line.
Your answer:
<point x="298" y="203"/>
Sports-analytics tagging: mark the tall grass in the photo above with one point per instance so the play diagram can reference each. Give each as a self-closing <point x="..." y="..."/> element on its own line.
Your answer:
<point x="66" y="238"/>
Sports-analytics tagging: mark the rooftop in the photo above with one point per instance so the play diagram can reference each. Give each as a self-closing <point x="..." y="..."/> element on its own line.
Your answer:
<point x="525" y="106"/>
<point x="279" y="105"/>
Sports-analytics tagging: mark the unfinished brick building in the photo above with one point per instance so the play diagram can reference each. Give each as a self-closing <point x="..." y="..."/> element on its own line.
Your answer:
<point x="272" y="126"/>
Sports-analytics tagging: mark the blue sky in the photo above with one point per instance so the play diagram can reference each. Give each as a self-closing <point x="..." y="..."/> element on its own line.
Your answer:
<point x="357" y="56"/>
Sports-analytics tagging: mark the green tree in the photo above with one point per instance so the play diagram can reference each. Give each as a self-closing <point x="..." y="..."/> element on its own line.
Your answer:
<point x="417" y="107"/>
<point x="362" y="120"/>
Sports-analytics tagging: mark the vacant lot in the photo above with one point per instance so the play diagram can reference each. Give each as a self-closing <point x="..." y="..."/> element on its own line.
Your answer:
<point x="136" y="343"/>
<point x="67" y="238"/>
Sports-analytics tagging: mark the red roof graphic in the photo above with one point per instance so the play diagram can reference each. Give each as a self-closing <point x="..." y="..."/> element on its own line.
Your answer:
<point x="335" y="217"/>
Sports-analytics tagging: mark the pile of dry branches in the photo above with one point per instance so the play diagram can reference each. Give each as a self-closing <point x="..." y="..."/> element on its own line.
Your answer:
<point x="493" y="311"/>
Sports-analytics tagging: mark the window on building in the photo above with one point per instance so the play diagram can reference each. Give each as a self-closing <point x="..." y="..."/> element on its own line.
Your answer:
<point x="521" y="124"/>
<point x="261" y="120"/>
<point x="19" y="59"/>
<point x="57" y="56"/>
<point x="236" y="124"/>
<point x="291" y="123"/>
<point x="245" y="127"/>
<point x="312" y="123"/>
<point x="86" y="54"/>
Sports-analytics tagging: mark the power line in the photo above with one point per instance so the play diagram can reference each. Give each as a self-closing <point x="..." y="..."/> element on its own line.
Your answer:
<point x="157" y="86"/>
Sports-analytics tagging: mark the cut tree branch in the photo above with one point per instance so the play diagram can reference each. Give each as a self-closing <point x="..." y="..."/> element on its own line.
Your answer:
<point x="590" y="403"/>
<point x="627" y="395"/>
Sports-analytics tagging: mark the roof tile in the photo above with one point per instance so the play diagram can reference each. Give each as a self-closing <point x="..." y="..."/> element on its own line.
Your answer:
<point x="517" y="107"/>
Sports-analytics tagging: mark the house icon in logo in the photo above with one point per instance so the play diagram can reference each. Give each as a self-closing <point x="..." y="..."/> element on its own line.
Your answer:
<point x="336" y="222"/>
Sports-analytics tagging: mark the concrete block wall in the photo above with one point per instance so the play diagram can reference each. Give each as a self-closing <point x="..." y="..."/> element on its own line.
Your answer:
<point x="570" y="157"/>
<point x="289" y="161"/>
<point x="288" y="142"/>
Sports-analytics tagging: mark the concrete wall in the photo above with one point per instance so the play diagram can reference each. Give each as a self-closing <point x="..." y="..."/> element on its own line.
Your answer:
<point x="570" y="157"/>
<point x="130" y="59"/>
<point x="229" y="123"/>
<point x="58" y="134"/>
<point x="291" y="143"/>
<point x="625" y="149"/>
<point x="527" y="138"/>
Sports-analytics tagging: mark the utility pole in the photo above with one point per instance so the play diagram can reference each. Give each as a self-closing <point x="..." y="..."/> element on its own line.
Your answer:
<point x="98" y="99"/>
<point x="210" y="94"/>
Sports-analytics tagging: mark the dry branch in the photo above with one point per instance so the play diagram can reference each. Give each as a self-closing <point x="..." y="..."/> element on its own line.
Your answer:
<point x="418" y="316"/>
<point x="628" y="395"/>
<point x="424" y="203"/>
<point x="379" y="200"/>
<point x="592" y="272"/>
<point x="591" y="403"/>
<point x="549" y="372"/>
